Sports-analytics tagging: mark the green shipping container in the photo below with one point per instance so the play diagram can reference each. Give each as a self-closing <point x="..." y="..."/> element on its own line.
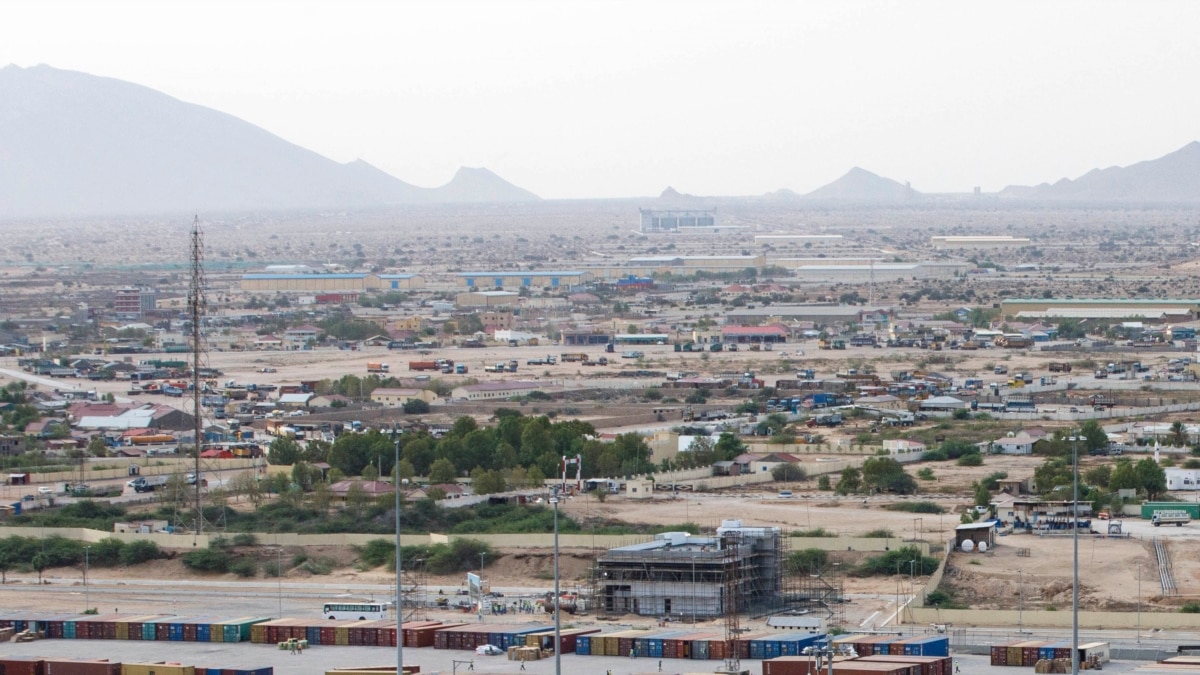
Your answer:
<point x="1193" y="509"/>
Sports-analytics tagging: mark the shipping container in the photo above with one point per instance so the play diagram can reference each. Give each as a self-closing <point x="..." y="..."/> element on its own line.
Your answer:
<point x="1098" y="651"/>
<point x="17" y="666"/>
<point x="929" y="665"/>
<point x="81" y="667"/>
<point x="157" y="668"/>
<point x="583" y="645"/>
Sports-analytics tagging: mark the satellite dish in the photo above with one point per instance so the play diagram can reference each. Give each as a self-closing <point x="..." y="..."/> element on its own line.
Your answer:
<point x="968" y="546"/>
<point x="983" y="547"/>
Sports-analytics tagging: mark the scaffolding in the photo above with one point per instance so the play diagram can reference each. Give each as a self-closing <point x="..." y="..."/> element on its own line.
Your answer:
<point x="681" y="577"/>
<point x="815" y="591"/>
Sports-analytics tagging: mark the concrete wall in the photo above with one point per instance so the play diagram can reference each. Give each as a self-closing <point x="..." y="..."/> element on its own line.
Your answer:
<point x="1060" y="619"/>
<point x="154" y="466"/>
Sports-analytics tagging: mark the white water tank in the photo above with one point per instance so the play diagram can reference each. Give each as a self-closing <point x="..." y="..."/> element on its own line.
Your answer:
<point x="968" y="546"/>
<point x="983" y="547"/>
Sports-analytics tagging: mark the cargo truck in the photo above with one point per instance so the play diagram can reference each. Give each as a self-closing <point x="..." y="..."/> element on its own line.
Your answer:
<point x="422" y="365"/>
<point x="376" y="367"/>
<point x="571" y="357"/>
<point x="1059" y="367"/>
<point x="1178" y="518"/>
<point x="149" y="483"/>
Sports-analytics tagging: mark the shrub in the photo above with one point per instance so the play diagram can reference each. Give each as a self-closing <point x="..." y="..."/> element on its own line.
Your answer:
<point x="961" y="414"/>
<point x="378" y="552"/>
<point x="970" y="459"/>
<point x="807" y="561"/>
<point x="896" y="561"/>
<point x="926" y="473"/>
<point x="915" y="507"/>
<point x="938" y="455"/>
<point x="788" y="472"/>
<point x="245" y="539"/>
<point x="140" y="551"/>
<point x="244" y="567"/>
<point x="106" y="552"/>
<point x="881" y="533"/>
<point x="824" y="484"/>
<point x="815" y="532"/>
<point x="1191" y="608"/>
<point x="211" y="559"/>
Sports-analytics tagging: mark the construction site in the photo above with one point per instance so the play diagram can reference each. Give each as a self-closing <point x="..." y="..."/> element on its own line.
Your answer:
<point x="682" y="577"/>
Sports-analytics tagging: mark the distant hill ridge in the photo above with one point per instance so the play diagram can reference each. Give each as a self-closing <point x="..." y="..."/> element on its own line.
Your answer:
<point x="78" y="144"/>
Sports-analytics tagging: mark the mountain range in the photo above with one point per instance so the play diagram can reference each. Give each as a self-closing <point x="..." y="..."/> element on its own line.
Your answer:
<point x="77" y="144"/>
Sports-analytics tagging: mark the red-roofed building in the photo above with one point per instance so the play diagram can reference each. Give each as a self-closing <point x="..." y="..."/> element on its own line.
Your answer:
<point x="752" y="334"/>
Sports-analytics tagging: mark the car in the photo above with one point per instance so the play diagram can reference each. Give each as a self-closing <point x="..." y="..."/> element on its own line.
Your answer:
<point x="45" y="491"/>
<point x="488" y="650"/>
<point x="27" y="498"/>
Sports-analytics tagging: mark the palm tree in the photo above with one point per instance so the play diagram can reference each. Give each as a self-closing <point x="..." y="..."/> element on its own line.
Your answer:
<point x="1179" y="435"/>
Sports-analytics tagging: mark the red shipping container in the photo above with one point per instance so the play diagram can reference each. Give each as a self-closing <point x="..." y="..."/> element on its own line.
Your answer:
<point x="14" y="666"/>
<point x="81" y="667"/>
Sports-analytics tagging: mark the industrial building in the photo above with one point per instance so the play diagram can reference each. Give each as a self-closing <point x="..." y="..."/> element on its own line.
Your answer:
<point x="833" y="271"/>
<point x="496" y="390"/>
<point x="954" y="241"/>
<point x="329" y="283"/>
<point x="1177" y="310"/>
<point x="683" y="576"/>
<point x="802" y="239"/>
<point x="820" y="314"/>
<point x="133" y="303"/>
<point x="487" y="299"/>
<point x="655" y="221"/>
<point x="530" y="279"/>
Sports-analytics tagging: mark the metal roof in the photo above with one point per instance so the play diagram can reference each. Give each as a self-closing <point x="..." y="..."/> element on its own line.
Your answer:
<point x="531" y="273"/>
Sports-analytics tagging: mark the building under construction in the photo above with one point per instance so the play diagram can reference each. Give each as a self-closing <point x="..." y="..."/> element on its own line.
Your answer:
<point x="686" y="577"/>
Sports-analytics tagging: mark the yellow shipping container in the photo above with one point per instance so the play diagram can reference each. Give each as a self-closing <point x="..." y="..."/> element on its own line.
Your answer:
<point x="341" y="635"/>
<point x="122" y="630"/>
<point x="156" y="669"/>
<point x="258" y="634"/>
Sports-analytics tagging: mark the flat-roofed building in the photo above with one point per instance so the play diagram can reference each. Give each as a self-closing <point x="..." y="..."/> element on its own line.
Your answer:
<point x="328" y="283"/>
<point x="487" y="299"/>
<point x="754" y="334"/>
<point x="502" y="389"/>
<point x="390" y="397"/>
<point x="655" y="221"/>
<point x="820" y="314"/>
<point x="972" y="241"/>
<point x="530" y="279"/>
<point x="814" y="239"/>
<point x="1174" y="310"/>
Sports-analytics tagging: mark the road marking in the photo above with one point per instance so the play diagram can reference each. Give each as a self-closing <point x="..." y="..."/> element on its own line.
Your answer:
<point x="869" y="619"/>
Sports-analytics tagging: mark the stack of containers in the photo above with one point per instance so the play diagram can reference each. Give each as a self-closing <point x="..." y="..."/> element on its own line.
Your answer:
<point x="929" y="665"/>
<point x="17" y="666"/>
<point x="569" y="639"/>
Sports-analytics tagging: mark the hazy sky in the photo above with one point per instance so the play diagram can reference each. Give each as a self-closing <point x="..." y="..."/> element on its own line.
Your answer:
<point x="598" y="99"/>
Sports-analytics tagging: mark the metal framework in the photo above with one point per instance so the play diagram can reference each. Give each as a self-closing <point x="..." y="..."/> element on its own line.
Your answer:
<point x="685" y="578"/>
<point x="196" y="310"/>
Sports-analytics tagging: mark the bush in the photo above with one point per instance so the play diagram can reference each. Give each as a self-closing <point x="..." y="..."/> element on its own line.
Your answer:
<point x="789" y="472"/>
<point x="824" y="484"/>
<point x="961" y="414"/>
<point x="896" y="561"/>
<point x="1191" y="608"/>
<point x="807" y="561"/>
<point x="970" y="459"/>
<point x="244" y="567"/>
<point x="815" y="532"/>
<point x="140" y="551"/>
<point x="378" y="552"/>
<point x="914" y="507"/>
<point x="245" y="539"/>
<point x="934" y="456"/>
<point x="212" y="559"/>
<point x="881" y="533"/>
<point x="106" y="552"/>
<point x="926" y="473"/>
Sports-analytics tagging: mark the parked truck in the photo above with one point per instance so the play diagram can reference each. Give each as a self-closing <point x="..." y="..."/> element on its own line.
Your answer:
<point x="1178" y="518"/>
<point x="573" y="357"/>
<point x="1060" y="367"/>
<point x="376" y="367"/>
<point x="422" y="365"/>
<point x="149" y="483"/>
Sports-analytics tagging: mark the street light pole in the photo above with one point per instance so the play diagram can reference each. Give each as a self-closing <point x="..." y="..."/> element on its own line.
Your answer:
<point x="87" y="596"/>
<point x="1020" y="601"/>
<point x="693" y="590"/>
<point x="1075" y="558"/>
<point x="279" y="575"/>
<point x="557" y="598"/>
<point x="399" y="566"/>
<point x="1139" y="623"/>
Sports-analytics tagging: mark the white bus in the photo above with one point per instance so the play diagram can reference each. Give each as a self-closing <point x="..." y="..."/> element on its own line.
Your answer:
<point x="355" y="610"/>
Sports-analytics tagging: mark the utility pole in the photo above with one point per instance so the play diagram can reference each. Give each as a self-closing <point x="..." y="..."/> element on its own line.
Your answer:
<point x="399" y="566"/>
<point x="1075" y="558"/>
<point x="557" y="597"/>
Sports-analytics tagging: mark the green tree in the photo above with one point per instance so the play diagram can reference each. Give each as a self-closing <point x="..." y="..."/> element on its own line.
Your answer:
<point x="1098" y="476"/>
<point x="487" y="482"/>
<point x="982" y="496"/>
<point x="850" y="482"/>
<point x="1151" y="477"/>
<point x="1179" y="435"/>
<point x="788" y="472"/>
<point x="728" y="446"/>
<point x="1123" y="476"/>
<point x="416" y="406"/>
<point x="283" y="451"/>
<point x="1096" y="438"/>
<point x="442" y="471"/>
<point x="96" y="447"/>
<point x="887" y="475"/>
<point x="535" y="478"/>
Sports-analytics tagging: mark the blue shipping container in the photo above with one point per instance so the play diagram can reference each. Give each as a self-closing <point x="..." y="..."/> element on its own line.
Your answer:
<point x="583" y="645"/>
<point x="204" y="632"/>
<point x="69" y="630"/>
<point x="313" y="634"/>
<point x="700" y="649"/>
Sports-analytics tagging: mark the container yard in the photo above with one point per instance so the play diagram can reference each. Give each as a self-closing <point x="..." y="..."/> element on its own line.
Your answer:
<point x="39" y="666"/>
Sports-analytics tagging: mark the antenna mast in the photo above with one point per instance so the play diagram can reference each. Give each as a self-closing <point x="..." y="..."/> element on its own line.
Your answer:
<point x="196" y="309"/>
